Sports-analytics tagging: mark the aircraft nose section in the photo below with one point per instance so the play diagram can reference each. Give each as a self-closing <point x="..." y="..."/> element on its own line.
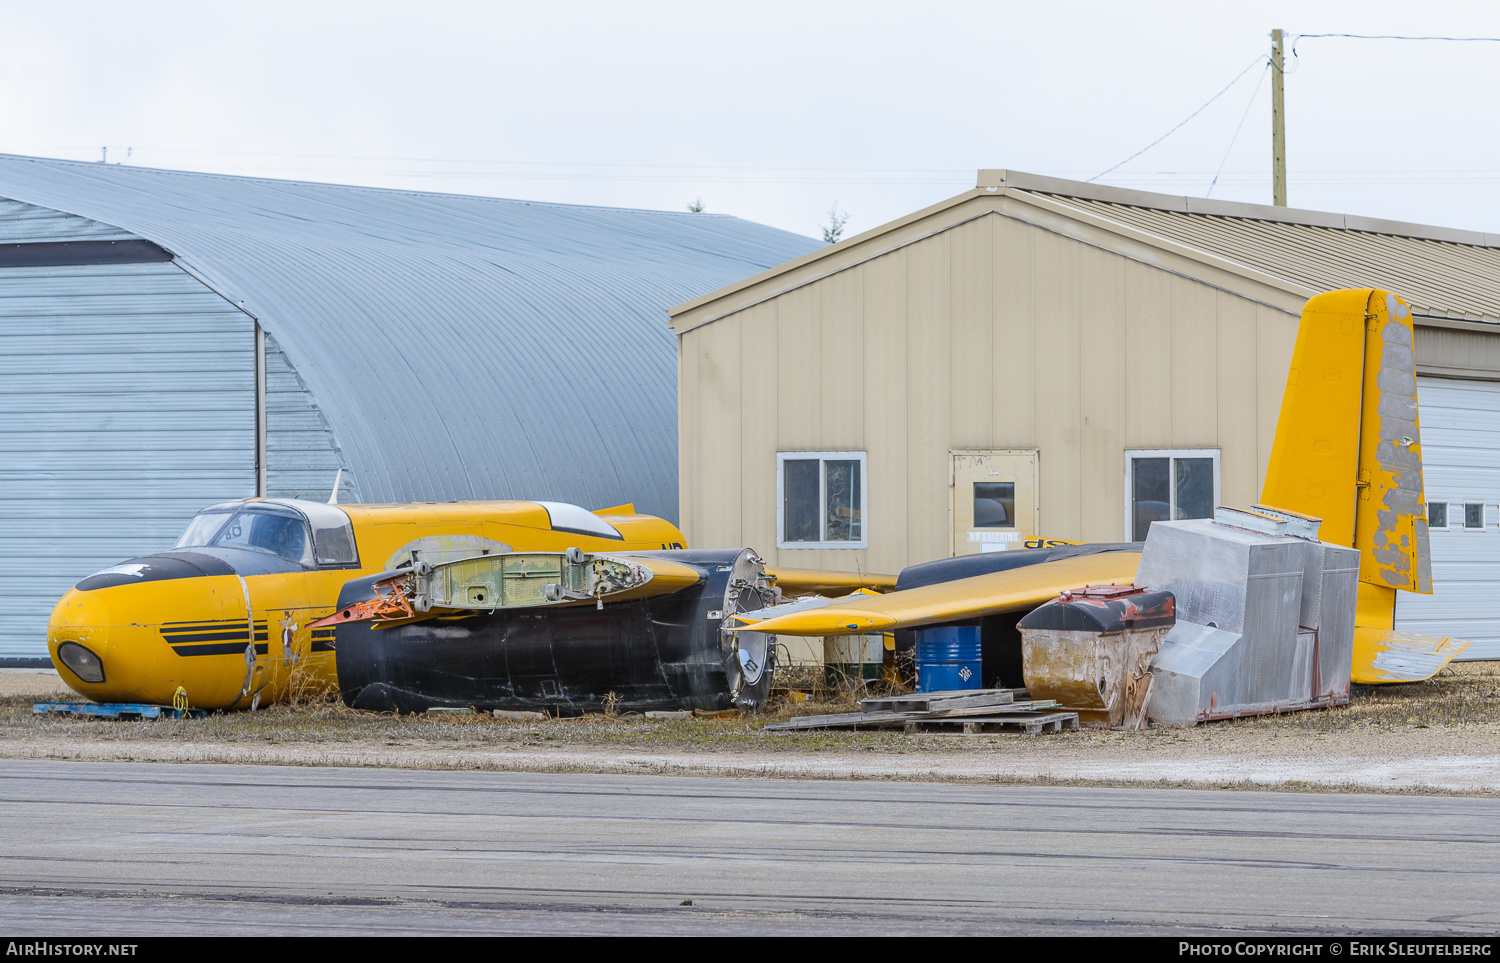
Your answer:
<point x="78" y="639"/>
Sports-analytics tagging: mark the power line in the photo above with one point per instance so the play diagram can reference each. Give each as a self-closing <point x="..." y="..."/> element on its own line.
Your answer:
<point x="1382" y="36"/>
<point x="1243" y="117"/>
<point x="1253" y="64"/>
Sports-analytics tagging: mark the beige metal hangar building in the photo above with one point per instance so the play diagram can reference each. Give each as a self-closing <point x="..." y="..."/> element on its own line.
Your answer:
<point x="1045" y="356"/>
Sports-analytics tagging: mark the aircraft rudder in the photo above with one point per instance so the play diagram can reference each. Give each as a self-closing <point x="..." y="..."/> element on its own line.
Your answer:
<point x="1315" y="454"/>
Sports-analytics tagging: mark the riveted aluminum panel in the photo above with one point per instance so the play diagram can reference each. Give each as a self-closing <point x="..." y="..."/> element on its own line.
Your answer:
<point x="1243" y="584"/>
<point x="1330" y="587"/>
<point x="127" y="402"/>
<point x="458" y="347"/>
<point x="1461" y="465"/>
<point x="1193" y="661"/>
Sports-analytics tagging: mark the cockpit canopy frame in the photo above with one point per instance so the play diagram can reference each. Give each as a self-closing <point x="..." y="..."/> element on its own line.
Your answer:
<point x="310" y="534"/>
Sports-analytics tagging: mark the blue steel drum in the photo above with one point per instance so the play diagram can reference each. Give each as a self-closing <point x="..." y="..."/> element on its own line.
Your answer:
<point x="948" y="658"/>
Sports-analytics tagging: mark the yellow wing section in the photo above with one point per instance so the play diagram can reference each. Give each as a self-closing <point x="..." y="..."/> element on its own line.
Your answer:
<point x="967" y="598"/>
<point x="809" y="581"/>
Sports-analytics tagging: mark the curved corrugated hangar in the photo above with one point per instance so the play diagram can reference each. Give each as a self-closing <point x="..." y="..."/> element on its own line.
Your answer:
<point x="1039" y="356"/>
<point x="170" y="339"/>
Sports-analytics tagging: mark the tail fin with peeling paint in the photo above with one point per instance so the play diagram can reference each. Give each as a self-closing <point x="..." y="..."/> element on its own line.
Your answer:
<point x="1347" y="447"/>
<point x="1348" y="450"/>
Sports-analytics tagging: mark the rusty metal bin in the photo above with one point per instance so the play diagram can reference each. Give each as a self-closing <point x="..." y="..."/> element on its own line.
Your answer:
<point x="1091" y="649"/>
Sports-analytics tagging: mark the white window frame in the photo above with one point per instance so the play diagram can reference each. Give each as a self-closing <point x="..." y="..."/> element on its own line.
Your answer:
<point x="1131" y="454"/>
<point x="823" y="457"/>
<point x="1458" y="521"/>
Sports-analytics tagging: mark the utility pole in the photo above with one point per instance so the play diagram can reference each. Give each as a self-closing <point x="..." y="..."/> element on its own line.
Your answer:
<point x="1278" y="123"/>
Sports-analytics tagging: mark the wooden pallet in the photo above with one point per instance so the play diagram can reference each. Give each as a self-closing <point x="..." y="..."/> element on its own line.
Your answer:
<point x="949" y="699"/>
<point x="887" y="718"/>
<point x="1024" y="723"/>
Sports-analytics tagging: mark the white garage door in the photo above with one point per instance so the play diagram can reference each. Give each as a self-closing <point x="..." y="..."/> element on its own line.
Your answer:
<point x="1461" y="470"/>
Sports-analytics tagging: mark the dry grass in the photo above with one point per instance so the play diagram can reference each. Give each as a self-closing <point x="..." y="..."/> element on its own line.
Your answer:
<point x="1465" y="694"/>
<point x="1461" y="700"/>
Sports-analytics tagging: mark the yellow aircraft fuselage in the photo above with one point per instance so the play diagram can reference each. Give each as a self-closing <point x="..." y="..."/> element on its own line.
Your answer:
<point x="225" y="614"/>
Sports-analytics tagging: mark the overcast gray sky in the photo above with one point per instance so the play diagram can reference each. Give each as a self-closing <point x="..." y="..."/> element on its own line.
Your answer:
<point x="772" y="110"/>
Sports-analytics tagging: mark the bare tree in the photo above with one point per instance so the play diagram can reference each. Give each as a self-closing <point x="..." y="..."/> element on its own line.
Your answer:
<point x="696" y="205"/>
<point x="834" y="228"/>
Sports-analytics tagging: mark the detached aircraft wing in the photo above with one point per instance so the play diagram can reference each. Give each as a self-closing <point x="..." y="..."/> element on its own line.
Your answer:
<point x="1013" y="590"/>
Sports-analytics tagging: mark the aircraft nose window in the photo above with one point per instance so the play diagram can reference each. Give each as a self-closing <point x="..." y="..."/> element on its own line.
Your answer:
<point x="262" y="532"/>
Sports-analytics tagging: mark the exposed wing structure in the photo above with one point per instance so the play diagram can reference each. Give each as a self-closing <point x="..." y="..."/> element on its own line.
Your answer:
<point x="514" y="580"/>
<point x="965" y="598"/>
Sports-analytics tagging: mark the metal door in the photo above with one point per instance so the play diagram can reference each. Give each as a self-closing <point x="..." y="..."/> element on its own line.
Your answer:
<point x="994" y="504"/>
<point x="1460" y="423"/>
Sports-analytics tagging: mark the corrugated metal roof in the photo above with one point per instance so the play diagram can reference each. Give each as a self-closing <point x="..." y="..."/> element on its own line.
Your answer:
<point x="461" y="347"/>
<point x="1444" y="273"/>
<point x="1437" y="278"/>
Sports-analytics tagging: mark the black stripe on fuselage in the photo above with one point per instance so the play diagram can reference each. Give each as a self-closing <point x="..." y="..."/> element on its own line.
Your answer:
<point x="212" y="624"/>
<point x="214" y="637"/>
<point x="176" y="638"/>
<point x="217" y="648"/>
<point x="211" y="631"/>
<point x="322" y="640"/>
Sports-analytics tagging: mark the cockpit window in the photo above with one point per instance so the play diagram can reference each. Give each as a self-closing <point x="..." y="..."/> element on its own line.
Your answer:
<point x="202" y="529"/>
<point x="280" y="535"/>
<point x="258" y="531"/>
<point x="278" y="527"/>
<point x="333" y="533"/>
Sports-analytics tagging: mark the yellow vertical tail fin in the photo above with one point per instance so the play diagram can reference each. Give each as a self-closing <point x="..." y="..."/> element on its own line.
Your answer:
<point x="1348" y="450"/>
<point x="1347" y="445"/>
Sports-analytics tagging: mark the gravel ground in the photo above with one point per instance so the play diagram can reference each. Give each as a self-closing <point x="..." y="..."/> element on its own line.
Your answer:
<point x="1438" y="736"/>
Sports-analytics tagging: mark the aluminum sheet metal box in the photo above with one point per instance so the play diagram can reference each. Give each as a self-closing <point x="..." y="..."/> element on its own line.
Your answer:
<point x="1264" y="623"/>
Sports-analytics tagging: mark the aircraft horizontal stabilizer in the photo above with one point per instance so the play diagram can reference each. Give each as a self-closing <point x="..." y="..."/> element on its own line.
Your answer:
<point x="980" y="595"/>
<point x="1386" y="655"/>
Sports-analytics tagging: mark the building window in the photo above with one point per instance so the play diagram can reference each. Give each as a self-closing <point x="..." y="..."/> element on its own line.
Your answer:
<point x="1169" y="484"/>
<point x="1474" y="516"/>
<point x="821" y="500"/>
<point x="1437" y="515"/>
